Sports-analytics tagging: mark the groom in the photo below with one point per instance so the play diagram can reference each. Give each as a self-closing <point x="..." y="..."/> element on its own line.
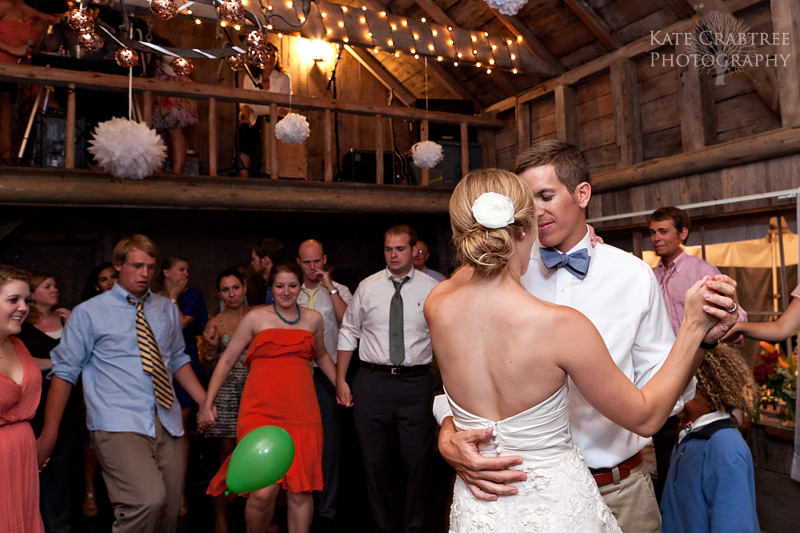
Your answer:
<point x="620" y="295"/>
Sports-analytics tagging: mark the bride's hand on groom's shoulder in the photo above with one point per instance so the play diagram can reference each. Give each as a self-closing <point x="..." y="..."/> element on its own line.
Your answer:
<point x="486" y="477"/>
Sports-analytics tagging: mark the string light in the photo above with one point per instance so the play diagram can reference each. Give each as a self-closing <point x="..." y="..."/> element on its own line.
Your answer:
<point x="363" y="8"/>
<point x="513" y="57"/>
<point x="431" y="47"/>
<point x="440" y="58"/>
<point x="423" y="20"/>
<point x="237" y="27"/>
<point x="514" y="70"/>
<point x="394" y="27"/>
<point x="390" y="42"/>
<point x="346" y="39"/>
<point x="491" y="61"/>
<point x="397" y="54"/>
<point x="455" y="63"/>
<point x="434" y="32"/>
<point x="344" y="9"/>
<point x="488" y="71"/>
<point x="404" y="22"/>
<point x="413" y="51"/>
<point x="383" y="13"/>
<point x="223" y="23"/>
<point x="198" y="21"/>
<point x="478" y="64"/>
<point x="363" y="20"/>
<point x="341" y="24"/>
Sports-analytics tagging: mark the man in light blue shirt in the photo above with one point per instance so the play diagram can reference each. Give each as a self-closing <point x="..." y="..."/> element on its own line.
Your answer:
<point x="136" y="437"/>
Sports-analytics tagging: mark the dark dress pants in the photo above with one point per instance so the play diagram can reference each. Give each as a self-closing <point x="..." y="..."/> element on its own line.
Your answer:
<point x="396" y="428"/>
<point x="331" y="414"/>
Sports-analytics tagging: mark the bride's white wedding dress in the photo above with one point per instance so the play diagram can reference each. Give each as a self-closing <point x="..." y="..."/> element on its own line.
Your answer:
<point x="559" y="495"/>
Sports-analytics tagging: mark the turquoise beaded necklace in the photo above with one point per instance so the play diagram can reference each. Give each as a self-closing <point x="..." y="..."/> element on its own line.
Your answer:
<point x="290" y="322"/>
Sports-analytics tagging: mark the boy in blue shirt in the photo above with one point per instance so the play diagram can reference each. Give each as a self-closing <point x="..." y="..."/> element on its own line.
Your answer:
<point x="710" y="486"/>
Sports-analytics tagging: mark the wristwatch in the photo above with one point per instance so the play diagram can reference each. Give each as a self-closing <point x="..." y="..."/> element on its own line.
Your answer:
<point x="334" y="291"/>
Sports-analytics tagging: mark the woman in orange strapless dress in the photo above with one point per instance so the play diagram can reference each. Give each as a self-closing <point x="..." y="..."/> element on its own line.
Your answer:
<point x="279" y="391"/>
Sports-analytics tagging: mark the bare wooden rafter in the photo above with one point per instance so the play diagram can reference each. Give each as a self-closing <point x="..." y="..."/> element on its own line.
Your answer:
<point x="595" y="24"/>
<point x="550" y="62"/>
<point x="382" y="74"/>
<point x="681" y="8"/>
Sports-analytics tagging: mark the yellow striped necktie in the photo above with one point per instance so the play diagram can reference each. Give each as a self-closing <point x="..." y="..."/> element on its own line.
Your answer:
<point x="311" y="293"/>
<point x="151" y="358"/>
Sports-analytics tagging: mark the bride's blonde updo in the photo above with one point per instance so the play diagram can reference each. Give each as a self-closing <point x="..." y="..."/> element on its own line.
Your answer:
<point x="488" y="250"/>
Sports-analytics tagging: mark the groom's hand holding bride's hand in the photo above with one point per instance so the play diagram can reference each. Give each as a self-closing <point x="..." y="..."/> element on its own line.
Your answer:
<point x="722" y="304"/>
<point x="486" y="477"/>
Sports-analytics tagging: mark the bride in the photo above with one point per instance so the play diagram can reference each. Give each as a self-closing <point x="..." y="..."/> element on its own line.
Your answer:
<point x="505" y="356"/>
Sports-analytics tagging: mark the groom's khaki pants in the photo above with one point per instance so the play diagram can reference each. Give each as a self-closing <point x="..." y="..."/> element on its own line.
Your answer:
<point x="633" y="502"/>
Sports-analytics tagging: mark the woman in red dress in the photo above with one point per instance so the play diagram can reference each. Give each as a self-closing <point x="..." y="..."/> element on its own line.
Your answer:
<point x="279" y="391"/>
<point x="20" y="387"/>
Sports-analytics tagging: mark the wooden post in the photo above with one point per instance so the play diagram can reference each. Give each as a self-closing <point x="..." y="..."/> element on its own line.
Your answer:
<point x="522" y="117"/>
<point x="627" y="112"/>
<point x="566" y="116"/>
<point x="696" y="107"/>
<point x="488" y="142"/>
<point x="423" y="136"/>
<point x="464" y="149"/>
<point x="148" y="108"/>
<point x="786" y="25"/>
<point x="212" y="136"/>
<point x="328" y="146"/>
<point x="273" y="142"/>
<point x="379" y="148"/>
<point x="69" y="144"/>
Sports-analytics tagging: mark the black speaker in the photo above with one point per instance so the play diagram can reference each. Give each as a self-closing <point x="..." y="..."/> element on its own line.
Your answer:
<point x="446" y="132"/>
<point x="51" y="141"/>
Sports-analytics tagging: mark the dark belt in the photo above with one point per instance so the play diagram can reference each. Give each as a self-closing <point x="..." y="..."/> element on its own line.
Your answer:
<point x="604" y="476"/>
<point x="397" y="370"/>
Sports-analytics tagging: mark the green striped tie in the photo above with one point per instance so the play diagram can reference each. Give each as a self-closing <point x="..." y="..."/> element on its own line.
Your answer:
<point x="397" y="345"/>
<point x="151" y="357"/>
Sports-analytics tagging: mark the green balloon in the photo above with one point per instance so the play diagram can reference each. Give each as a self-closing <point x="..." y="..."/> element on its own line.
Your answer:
<point x="260" y="459"/>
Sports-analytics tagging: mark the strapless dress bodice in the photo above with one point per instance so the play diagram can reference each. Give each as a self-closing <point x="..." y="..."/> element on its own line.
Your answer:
<point x="540" y="433"/>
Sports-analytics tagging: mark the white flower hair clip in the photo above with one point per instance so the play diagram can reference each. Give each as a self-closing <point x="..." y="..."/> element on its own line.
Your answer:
<point x="492" y="210"/>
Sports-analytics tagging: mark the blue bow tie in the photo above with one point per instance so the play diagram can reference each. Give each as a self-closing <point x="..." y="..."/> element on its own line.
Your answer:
<point x="577" y="263"/>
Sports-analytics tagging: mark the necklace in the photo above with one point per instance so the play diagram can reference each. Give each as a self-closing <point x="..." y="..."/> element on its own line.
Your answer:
<point x="290" y="322"/>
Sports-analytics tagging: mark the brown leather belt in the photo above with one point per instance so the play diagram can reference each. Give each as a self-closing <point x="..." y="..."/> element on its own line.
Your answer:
<point x="397" y="370"/>
<point x="604" y="476"/>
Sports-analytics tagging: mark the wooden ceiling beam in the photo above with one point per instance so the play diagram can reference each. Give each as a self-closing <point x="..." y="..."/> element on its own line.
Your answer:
<point x="552" y="65"/>
<point x="380" y="72"/>
<point x="763" y="80"/>
<point x="681" y="8"/>
<point x="595" y="24"/>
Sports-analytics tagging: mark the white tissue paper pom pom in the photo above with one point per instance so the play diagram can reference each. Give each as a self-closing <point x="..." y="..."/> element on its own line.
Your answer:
<point x="292" y="129"/>
<point x="127" y="149"/>
<point x="507" y="7"/>
<point x="427" y="154"/>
